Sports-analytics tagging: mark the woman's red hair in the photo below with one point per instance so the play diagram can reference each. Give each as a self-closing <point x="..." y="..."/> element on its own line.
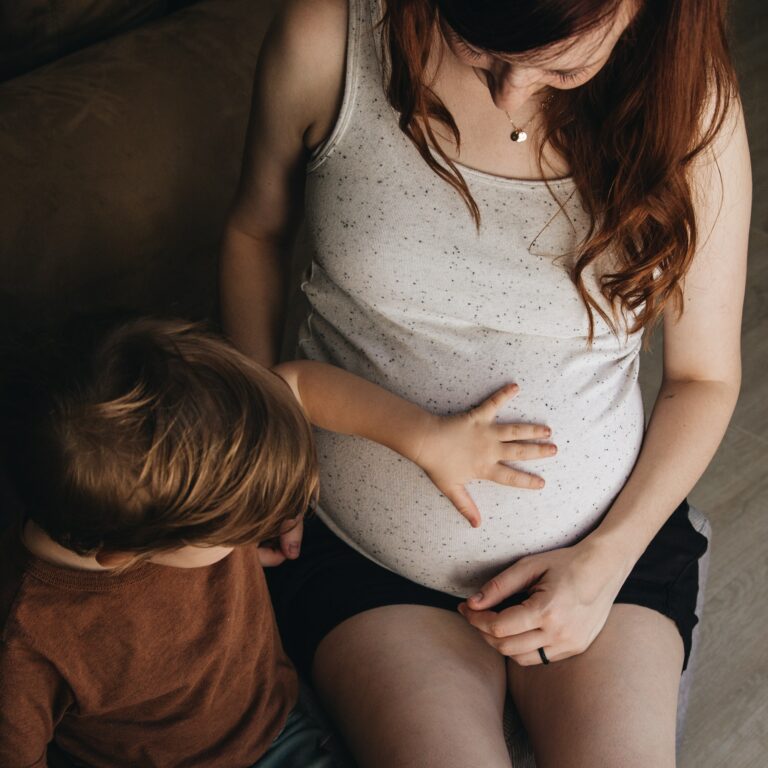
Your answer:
<point x="629" y="135"/>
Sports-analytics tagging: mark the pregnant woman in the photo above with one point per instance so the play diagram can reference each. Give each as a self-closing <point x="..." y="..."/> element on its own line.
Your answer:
<point x="496" y="192"/>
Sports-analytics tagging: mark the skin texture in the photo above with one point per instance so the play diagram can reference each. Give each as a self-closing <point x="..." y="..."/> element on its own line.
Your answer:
<point x="626" y="658"/>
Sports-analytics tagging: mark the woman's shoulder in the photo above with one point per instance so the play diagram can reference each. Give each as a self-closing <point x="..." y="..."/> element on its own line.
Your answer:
<point x="316" y="27"/>
<point x="307" y="44"/>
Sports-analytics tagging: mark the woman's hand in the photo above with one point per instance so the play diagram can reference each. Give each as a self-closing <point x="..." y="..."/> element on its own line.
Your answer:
<point x="571" y="593"/>
<point x="288" y="544"/>
<point x="472" y="446"/>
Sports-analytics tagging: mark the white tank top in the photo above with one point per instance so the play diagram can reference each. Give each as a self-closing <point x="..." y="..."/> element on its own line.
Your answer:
<point x="404" y="291"/>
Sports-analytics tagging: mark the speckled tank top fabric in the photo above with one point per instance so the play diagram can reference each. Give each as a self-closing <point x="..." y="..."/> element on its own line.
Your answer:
<point x="405" y="292"/>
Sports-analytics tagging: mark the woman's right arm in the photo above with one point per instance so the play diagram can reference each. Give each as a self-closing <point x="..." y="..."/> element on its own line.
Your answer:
<point x="297" y="94"/>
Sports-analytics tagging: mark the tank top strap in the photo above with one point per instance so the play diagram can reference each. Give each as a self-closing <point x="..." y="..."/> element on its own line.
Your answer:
<point x="364" y="101"/>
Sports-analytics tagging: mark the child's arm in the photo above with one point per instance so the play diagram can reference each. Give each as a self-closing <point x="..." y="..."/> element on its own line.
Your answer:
<point x="451" y="450"/>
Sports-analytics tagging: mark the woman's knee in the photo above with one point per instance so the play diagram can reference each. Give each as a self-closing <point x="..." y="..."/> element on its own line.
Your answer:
<point x="398" y="680"/>
<point x="615" y="705"/>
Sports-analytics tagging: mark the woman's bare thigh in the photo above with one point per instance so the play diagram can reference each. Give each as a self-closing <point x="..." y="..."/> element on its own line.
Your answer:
<point x="613" y="706"/>
<point x="413" y="685"/>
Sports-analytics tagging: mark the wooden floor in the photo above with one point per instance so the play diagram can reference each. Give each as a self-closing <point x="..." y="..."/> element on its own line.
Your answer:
<point x="728" y="715"/>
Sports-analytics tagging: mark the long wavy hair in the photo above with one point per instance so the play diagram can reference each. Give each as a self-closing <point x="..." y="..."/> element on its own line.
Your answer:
<point x="629" y="135"/>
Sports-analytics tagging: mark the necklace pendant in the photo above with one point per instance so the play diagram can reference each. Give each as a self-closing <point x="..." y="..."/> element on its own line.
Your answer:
<point x="518" y="136"/>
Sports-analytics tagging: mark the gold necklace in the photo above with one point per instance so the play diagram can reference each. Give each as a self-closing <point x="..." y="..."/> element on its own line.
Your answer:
<point x="518" y="134"/>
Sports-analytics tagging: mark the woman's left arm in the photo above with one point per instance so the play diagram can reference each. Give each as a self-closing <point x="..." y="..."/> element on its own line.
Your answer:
<point x="573" y="588"/>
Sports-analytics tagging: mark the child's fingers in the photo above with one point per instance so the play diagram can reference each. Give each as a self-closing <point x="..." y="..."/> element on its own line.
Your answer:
<point x="505" y="475"/>
<point x="509" y="432"/>
<point x="460" y="498"/>
<point x="487" y="409"/>
<point x="269" y="557"/>
<point x="526" y="451"/>
<point x="291" y="534"/>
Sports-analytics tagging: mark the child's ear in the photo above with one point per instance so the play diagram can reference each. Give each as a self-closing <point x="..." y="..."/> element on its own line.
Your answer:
<point x="114" y="559"/>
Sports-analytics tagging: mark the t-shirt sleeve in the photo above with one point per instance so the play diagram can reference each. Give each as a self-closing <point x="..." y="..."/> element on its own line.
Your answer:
<point x="33" y="699"/>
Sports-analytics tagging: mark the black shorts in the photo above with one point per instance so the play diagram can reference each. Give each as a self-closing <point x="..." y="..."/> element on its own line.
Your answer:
<point x="331" y="582"/>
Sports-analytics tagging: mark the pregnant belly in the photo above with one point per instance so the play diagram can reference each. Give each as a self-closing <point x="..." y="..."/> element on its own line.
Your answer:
<point x="387" y="509"/>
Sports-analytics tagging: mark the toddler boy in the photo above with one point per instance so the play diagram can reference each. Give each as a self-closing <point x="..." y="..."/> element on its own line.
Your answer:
<point x="152" y="463"/>
<point x="136" y="625"/>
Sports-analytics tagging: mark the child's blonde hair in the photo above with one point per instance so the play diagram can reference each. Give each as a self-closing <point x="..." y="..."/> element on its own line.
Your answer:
<point x="165" y="435"/>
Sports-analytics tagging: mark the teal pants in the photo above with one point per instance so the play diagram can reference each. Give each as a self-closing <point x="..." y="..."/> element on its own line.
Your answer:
<point x="301" y="744"/>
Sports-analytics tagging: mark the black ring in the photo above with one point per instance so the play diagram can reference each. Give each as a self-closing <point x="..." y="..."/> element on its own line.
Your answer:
<point x="543" y="656"/>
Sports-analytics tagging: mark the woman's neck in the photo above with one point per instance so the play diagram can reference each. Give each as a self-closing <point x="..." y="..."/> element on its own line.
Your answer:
<point x="485" y="129"/>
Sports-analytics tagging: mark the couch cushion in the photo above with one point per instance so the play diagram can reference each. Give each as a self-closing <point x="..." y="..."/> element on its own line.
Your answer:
<point x="120" y="162"/>
<point x="34" y="32"/>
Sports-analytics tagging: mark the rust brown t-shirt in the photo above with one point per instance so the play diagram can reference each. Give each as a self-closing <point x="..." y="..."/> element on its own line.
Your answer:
<point x="156" y="666"/>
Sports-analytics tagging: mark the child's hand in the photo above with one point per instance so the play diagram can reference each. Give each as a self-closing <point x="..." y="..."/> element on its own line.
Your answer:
<point x="472" y="446"/>
<point x="287" y="547"/>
